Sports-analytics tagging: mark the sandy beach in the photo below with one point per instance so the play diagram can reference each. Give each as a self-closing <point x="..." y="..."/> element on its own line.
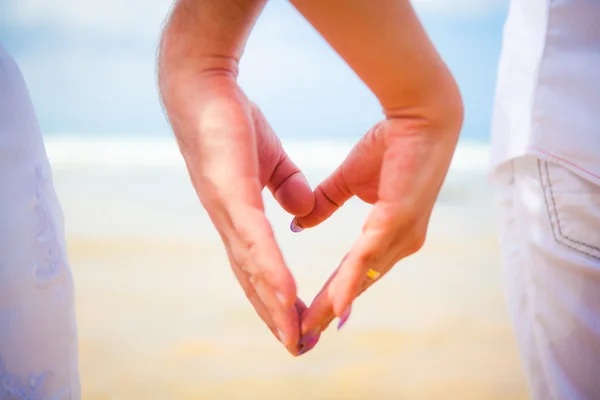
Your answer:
<point x="161" y="315"/>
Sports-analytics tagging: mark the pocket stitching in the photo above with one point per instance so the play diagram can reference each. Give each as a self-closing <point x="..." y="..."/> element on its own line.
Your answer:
<point x="557" y="232"/>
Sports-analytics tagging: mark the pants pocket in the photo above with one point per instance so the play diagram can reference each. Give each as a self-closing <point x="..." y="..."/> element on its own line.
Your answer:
<point x="573" y="205"/>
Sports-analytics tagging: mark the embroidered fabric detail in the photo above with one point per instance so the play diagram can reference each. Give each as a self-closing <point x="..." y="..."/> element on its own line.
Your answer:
<point x="49" y="266"/>
<point x="15" y="388"/>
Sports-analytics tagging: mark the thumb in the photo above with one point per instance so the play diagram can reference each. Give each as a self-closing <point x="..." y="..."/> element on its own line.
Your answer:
<point x="286" y="182"/>
<point x="358" y="174"/>
<point x="290" y="187"/>
<point x="329" y="196"/>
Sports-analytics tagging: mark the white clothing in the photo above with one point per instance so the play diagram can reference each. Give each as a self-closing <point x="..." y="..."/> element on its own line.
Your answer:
<point x="550" y="240"/>
<point x="548" y="89"/>
<point x="546" y="161"/>
<point x="38" y="340"/>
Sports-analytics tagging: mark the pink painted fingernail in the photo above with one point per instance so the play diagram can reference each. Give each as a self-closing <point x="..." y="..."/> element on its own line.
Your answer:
<point x="344" y="317"/>
<point x="307" y="342"/>
<point x="295" y="227"/>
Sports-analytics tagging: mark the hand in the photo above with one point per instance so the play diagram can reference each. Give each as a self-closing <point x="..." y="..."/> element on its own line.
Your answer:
<point x="231" y="154"/>
<point x="399" y="166"/>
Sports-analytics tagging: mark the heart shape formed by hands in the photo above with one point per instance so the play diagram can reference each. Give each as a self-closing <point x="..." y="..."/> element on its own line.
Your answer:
<point x="232" y="154"/>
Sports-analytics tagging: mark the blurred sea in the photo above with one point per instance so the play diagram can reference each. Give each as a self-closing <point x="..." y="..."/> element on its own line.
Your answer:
<point x="141" y="169"/>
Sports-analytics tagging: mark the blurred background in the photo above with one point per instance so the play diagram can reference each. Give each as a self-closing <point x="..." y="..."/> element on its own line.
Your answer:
<point x="160" y="313"/>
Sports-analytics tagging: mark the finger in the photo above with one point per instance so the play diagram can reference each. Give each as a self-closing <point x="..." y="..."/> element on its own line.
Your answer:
<point x="251" y="294"/>
<point x="370" y="252"/>
<point x="278" y="172"/>
<point x="325" y="308"/>
<point x="374" y="251"/>
<point x="320" y="313"/>
<point x="290" y="187"/>
<point x="390" y="234"/>
<point x="330" y="195"/>
<point x="267" y="283"/>
<point x="283" y="324"/>
<point x="254" y="249"/>
<point x="288" y="331"/>
<point x="317" y="318"/>
<point x="305" y="344"/>
<point x="223" y="163"/>
<point x="360" y="169"/>
<point x="286" y="321"/>
<point x="301" y="307"/>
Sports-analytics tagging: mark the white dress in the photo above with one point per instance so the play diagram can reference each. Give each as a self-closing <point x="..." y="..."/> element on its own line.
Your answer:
<point x="38" y="337"/>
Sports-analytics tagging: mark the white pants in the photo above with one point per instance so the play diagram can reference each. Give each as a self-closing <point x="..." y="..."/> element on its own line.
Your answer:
<point x="38" y="340"/>
<point x="550" y="239"/>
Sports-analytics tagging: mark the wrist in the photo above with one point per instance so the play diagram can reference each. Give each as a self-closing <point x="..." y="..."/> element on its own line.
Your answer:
<point x="439" y="107"/>
<point x="202" y="39"/>
<point x="210" y="31"/>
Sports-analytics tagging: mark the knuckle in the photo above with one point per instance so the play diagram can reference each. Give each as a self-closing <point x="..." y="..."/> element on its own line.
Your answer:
<point x="252" y="296"/>
<point x="407" y="216"/>
<point x="243" y="253"/>
<point x="257" y="275"/>
<point x="416" y="241"/>
<point x="368" y="256"/>
<point x="372" y="139"/>
<point x="409" y="230"/>
<point x="331" y="194"/>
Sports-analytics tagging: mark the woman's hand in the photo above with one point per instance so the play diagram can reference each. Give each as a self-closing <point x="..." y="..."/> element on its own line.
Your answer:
<point x="399" y="166"/>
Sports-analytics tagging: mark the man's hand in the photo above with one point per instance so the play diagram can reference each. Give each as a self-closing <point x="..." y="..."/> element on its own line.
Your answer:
<point x="231" y="154"/>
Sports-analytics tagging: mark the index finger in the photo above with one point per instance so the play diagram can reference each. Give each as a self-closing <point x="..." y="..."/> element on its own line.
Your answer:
<point x="261" y="271"/>
<point x="383" y="243"/>
<point x="367" y="253"/>
<point x="254" y="248"/>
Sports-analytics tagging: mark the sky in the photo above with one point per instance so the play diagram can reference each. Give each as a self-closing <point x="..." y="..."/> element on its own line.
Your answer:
<point x="90" y="66"/>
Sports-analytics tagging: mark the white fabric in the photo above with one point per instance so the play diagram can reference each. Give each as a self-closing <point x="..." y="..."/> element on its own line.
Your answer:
<point x="550" y="240"/>
<point x="38" y="341"/>
<point x="546" y="160"/>
<point x="548" y="89"/>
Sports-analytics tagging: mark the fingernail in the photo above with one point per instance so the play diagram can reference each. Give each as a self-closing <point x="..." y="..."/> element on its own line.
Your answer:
<point x="307" y="342"/>
<point x="344" y="317"/>
<point x="294" y="227"/>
